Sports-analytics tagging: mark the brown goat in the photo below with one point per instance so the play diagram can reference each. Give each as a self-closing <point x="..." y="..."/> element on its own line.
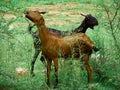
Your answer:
<point x="54" y="46"/>
<point x="88" y="22"/>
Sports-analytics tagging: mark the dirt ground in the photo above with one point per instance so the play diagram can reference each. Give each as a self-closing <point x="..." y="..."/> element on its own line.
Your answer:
<point x="57" y="14"/>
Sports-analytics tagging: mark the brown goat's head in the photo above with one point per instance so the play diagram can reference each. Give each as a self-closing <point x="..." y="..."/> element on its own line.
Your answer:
<point x="90" y="21"/>
<point x="35" y="16"/>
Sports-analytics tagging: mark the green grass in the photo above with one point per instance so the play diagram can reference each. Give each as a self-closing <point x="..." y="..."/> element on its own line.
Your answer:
<point x="16" y="47"/>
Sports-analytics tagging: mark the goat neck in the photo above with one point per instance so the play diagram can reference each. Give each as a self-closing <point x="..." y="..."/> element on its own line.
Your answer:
<point x="43" y="32"/>
<point x="82" y="28"/>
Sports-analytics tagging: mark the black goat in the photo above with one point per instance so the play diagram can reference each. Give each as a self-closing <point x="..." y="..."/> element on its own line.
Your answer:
<point x="88" y="22"/>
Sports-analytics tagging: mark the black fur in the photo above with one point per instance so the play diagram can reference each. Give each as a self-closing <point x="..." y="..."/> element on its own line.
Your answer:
<point x="88" y="22"/>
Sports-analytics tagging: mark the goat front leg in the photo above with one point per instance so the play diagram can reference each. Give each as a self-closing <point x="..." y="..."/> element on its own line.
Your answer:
<point x="85" y="60"/>
<point x="56" y="71"/>
<point x="33" y="61"/>
<point x="90" y="44"/>
<point x="48" y="71"/>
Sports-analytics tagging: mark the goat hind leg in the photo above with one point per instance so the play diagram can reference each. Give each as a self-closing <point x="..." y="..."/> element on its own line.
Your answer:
<point x="33" y="61"/>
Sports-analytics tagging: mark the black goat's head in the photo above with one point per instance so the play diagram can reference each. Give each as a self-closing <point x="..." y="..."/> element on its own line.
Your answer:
<point x="89" y="21"/>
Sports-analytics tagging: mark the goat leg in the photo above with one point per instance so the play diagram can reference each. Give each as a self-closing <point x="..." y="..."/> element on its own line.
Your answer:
<point x="33" y="61"/>
<point x="49" y="62"/>
<point x="85" y="59"/>
<point x="56" y="71"/>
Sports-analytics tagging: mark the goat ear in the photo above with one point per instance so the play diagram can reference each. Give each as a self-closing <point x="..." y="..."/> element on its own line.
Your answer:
<point x="43" y="12"/>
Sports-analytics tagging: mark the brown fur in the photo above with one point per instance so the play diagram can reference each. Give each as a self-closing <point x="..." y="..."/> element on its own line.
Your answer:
<point x="54" y="47"/>
<point x="88" y="22"/>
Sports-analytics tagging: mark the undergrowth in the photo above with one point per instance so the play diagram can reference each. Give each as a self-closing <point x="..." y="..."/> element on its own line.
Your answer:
<point x="16" y="51"/>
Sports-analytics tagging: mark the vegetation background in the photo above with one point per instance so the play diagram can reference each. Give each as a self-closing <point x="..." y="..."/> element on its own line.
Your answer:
<point x="16" y="44"/>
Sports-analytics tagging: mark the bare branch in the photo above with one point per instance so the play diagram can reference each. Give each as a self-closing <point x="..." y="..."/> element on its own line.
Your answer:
<point x="116" y="12"/>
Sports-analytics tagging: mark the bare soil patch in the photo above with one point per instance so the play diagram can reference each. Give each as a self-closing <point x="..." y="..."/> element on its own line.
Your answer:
<point x="59" y="10"/>
<point x="69" y="13"/>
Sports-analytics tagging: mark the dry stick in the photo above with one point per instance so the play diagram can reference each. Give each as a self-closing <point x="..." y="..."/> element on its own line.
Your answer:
<point x="111" y="26"/>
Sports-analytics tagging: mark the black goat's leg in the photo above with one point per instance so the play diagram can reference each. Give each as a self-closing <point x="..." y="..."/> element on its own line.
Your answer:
<point x="33" y="61"/>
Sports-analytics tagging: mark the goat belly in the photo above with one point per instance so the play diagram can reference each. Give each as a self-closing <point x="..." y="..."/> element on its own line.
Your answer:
<point x="65" y="53"/>
<point x="73" y="52"/>
<point x="49" y="53"/>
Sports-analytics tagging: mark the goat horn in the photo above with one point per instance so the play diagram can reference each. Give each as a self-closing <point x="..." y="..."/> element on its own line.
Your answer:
<point x="82" y="14"/>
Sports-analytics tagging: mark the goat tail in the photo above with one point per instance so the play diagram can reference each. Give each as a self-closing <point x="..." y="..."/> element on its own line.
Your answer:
<point x="30" y="26"/>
